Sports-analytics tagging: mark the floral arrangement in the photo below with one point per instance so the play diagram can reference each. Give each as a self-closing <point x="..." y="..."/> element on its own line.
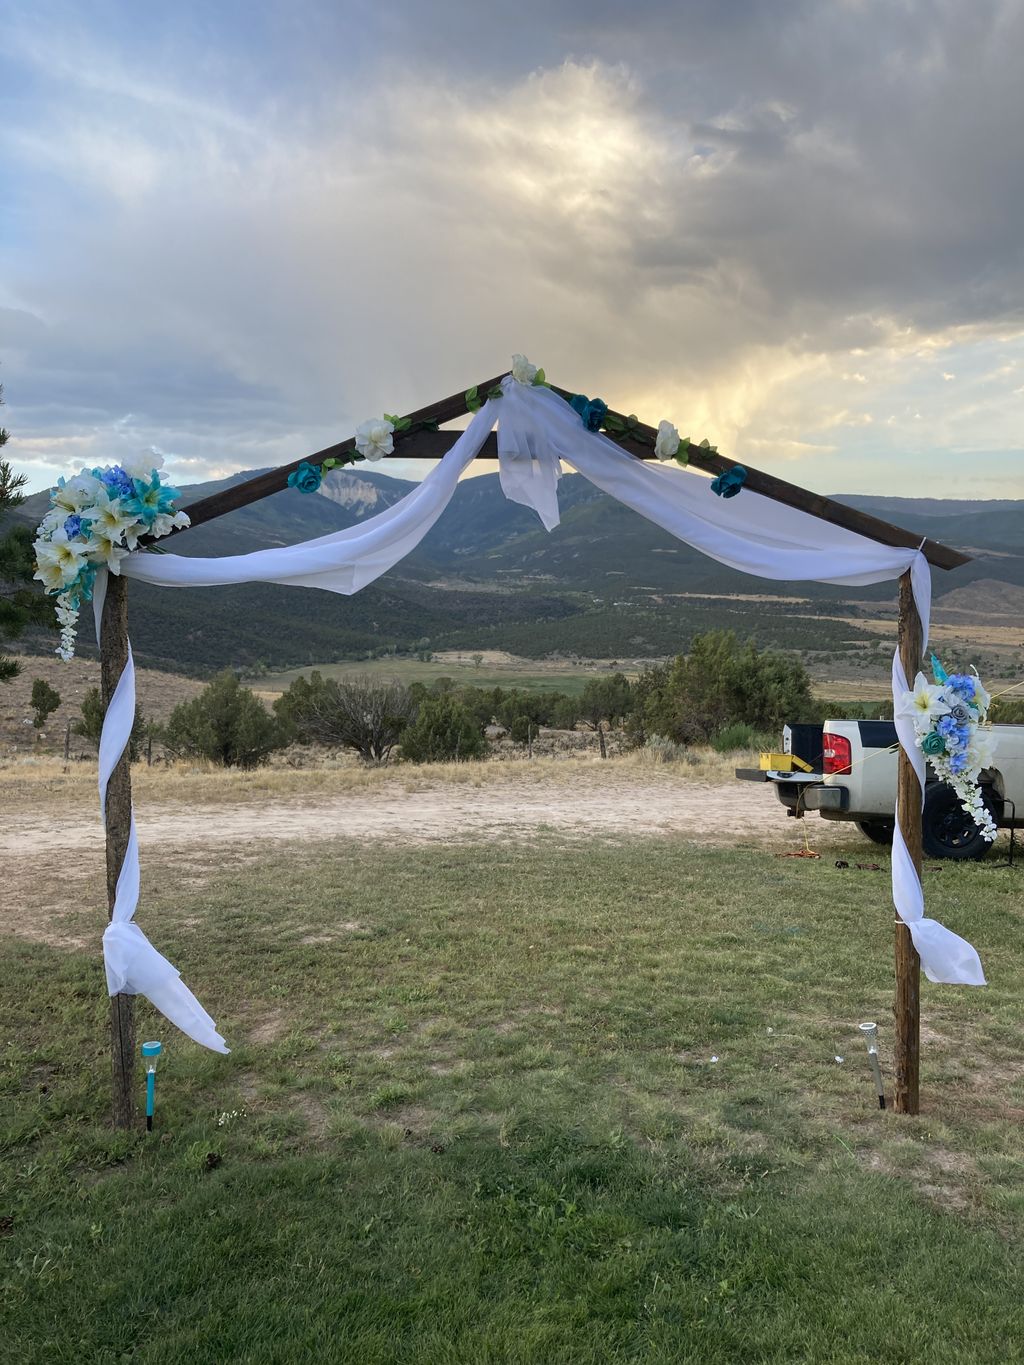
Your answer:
<point x="948" y="715"/>
<point x="95" y="519"/>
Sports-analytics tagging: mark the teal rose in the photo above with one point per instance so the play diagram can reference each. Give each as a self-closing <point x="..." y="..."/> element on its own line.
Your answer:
<point x="933" y="745"/>
<point x="727" y="485"/>
<point x="592" y="410"/>
<point x="306" y="478"/>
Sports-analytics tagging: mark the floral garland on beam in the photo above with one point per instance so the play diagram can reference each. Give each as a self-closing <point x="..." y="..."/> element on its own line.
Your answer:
<point x="947" y="716"/>
<point x="95" y="519"/>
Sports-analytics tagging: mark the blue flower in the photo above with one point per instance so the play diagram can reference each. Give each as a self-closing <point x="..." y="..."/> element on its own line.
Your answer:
<point x="73" y="525"/>
<point x="938" y="672"/>
<point x="962" y="684"/>
<point x="307" y="478"/>
<point x="148" y="499"/>
<point x="727" y="485"/>
<point x="592" y="410"/>
<point x="946" y="726"/>
<point x="117" y="481"/>
<point x="80" y="590"/>
<point x="957" y="763"/>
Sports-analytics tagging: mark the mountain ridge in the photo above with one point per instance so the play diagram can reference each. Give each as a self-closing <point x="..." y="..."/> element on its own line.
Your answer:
<point x="604" y="583"/>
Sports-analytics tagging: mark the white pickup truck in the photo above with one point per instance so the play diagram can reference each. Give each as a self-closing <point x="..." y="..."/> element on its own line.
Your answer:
<point x="846" y="770"/>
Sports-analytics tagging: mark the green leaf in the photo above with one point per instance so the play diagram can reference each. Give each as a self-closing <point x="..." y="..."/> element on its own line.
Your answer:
<point x="329" y="464"/>
<point x="402" y="423"/>
<point x="429" y="424"/>
<point x="471" y="394"/>
<point x="473" y="404"/>
<point x="495" y="392"/>
<point x="540" y="378"/>
<point x="392" y="418"/>
<point x="613" y="422"/>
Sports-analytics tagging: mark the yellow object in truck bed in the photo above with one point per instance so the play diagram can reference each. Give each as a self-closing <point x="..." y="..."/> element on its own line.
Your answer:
<point x="783" y="763"/>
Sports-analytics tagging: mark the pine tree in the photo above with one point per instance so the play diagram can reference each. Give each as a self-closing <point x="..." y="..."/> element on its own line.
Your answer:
<point x="20" y="604"/>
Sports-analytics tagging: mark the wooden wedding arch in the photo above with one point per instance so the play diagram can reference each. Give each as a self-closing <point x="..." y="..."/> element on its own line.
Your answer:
<point x="422" y="439"/>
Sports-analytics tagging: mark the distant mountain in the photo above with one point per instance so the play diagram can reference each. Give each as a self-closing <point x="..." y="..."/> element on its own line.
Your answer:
<point x="605" y="583"/>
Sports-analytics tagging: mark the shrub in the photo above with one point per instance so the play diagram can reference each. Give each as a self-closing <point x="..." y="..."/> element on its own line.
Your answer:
<point x="442" y="731"/>
<point x="226" y="724"/>
<point x="664" y="750"/>
<point x="91" y="724"/>
<point x="738" y="735"/>
<point x="719" y="683"/>
<point x="366" y="714"/>
<point x="45" y="700"/>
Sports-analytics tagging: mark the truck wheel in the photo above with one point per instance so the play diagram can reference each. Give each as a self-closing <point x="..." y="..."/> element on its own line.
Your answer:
<point x="947" y="831"/>
<point x="878" y="831"/>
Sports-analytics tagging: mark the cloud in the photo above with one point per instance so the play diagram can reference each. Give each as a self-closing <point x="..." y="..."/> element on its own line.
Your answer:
<point x="768" y="222"/>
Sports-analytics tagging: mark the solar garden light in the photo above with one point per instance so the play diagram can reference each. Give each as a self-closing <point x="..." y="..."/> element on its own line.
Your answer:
<point x="151" y="1052"/>
<point x="870" y="1032"/>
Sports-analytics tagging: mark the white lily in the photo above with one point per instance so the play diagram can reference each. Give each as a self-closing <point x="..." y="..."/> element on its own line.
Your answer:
<point x="105" y="543"/>
<point x="981" y="749"/>
<point x="982" y="699"/>
<point x="110" y="521"/>
<point x="58" y="560"/>
<point x="924" y="705"/>
<point x="164" y="523"/>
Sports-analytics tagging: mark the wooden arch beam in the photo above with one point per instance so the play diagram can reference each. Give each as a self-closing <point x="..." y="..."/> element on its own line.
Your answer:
<point x="426" y="443"/>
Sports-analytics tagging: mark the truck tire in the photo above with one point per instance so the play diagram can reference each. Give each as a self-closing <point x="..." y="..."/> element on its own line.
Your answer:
<point x="947" y="831"/>
<point x="878" y="831"/>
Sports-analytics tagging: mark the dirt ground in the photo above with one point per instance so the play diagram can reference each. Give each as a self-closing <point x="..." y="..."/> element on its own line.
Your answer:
<point x="52" y="849"/>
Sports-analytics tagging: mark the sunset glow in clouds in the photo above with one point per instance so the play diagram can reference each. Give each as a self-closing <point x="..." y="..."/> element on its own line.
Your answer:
<point x="232" y="236"/>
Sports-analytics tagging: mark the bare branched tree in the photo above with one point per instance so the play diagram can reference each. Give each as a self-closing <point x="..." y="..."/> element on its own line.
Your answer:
<point x="366" y="714"/>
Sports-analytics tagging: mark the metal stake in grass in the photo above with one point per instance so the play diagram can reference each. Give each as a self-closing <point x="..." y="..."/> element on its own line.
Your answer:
<point x="870" y="1032"/>
<point x="151" y="1052"/>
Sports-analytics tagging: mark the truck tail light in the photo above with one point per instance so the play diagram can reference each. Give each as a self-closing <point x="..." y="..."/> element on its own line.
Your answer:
<point x="836" y="753"/>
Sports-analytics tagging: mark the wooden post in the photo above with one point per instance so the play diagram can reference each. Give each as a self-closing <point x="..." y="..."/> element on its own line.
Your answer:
<point x="907" y="1005"/>
<point x="113" y="657"/>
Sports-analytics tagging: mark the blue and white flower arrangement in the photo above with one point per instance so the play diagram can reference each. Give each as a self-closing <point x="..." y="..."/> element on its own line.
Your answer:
<point x="95" y="519"/>
<point x="948" y="716"/>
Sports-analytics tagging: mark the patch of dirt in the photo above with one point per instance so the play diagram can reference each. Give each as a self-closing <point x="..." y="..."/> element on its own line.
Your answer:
<point x="159" y="693"/>
<point x="314" y="1111"/>
<point x="269" y="1027"/>
<point x="350" y="926"/>
<point x="940" y="1176"/>
<point x="627" y="804"/>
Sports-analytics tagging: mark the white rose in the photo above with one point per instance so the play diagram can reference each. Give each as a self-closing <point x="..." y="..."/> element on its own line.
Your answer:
<point x="375" y="438"/>
<point x="522" y="371"/>
<point x="71" y="495"/>
<point x="142" y="466"/>
<point x="666" y="443"/>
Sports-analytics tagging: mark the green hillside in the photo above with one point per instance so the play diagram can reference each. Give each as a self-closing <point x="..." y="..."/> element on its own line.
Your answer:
<point x="604" y="584"/>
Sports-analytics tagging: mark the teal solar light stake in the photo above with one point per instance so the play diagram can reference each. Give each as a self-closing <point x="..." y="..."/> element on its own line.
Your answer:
<point x="151" y="1052"/>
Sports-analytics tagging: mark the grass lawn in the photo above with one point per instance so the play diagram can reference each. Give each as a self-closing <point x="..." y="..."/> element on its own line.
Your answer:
<point x="472" y="1115"/>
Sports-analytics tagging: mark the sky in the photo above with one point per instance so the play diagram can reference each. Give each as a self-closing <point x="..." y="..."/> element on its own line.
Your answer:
<point x="230" y="233"/>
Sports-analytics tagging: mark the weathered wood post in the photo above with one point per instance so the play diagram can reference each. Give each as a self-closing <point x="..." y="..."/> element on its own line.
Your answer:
<point x="907" y="1005"/>
<point x="113" y="657"/>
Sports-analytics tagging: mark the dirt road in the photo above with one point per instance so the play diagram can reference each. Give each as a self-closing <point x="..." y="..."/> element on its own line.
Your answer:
<point x="705" y="813"/>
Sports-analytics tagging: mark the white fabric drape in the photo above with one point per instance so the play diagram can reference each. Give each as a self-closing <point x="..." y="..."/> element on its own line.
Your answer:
<point x="132" y="964"/>
<point x="538" y="430"/>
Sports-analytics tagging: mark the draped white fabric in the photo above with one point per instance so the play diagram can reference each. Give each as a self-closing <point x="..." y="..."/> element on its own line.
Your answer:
<point x="132" y="964"/>
<point x="537" y="430"/>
